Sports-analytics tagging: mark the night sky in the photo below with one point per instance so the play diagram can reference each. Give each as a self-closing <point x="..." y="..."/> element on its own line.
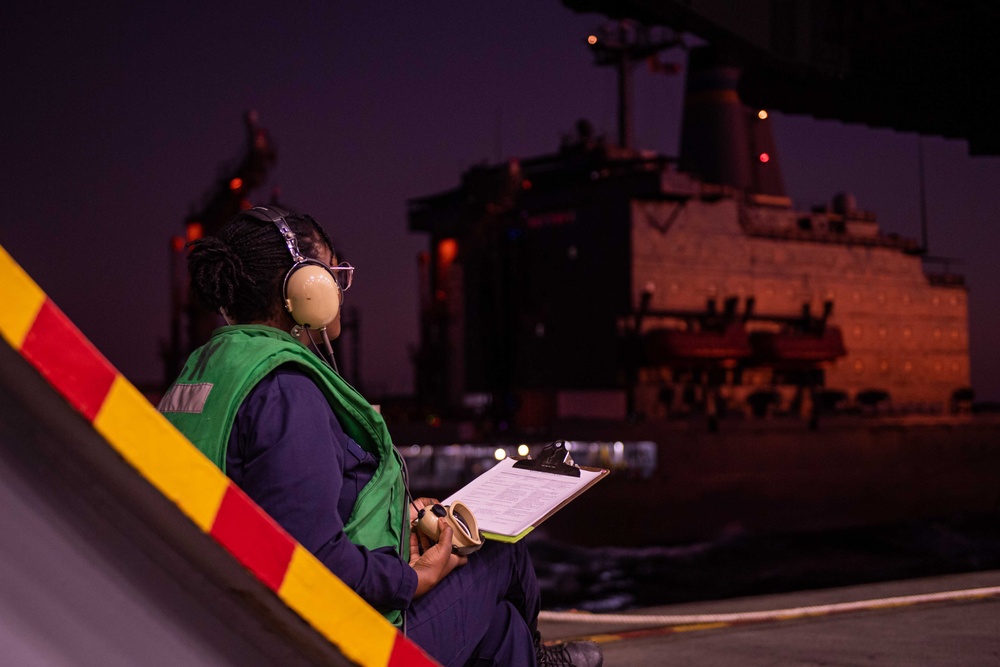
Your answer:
<point x="118" y="116"/>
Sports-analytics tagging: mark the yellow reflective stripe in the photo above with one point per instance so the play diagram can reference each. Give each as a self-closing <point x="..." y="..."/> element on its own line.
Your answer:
<point x="361" y="633"/>
<point x="21" y="299"/>
<point x="160" y="453"/>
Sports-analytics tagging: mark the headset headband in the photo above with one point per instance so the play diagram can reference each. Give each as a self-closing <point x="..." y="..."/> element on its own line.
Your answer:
<point x="273" y="215"/>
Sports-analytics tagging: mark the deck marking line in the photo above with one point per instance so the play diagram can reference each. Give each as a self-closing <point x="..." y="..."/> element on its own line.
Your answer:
<point x="22" y="299"/>
<point x="670" y="624"/>
<point x="407" y="654"/>
<point x="361" y="633"/>
<point x="68" y="361"/>
<point x="253" y="537"/>
<point x="148" y="442"/>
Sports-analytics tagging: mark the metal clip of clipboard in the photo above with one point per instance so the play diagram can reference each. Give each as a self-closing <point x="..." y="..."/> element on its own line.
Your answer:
<point x="554" y="458"/>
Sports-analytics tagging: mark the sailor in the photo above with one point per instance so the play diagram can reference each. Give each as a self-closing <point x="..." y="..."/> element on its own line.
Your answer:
<point x="280" y="421"/>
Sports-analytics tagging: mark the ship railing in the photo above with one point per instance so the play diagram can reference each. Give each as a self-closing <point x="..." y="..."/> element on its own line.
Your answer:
<point x="945" y="279"/>
<point x="881" y="241"/>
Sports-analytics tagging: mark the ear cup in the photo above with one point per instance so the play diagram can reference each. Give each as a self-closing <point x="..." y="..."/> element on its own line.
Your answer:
<point x="312" y="295"/>
<point x="465" y="535"/>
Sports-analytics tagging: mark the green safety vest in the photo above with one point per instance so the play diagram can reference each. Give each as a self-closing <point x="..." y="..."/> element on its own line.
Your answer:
<point x="203" y="401"/>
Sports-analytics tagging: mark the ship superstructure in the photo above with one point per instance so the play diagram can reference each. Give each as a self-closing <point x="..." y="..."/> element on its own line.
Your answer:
<point x="604" y="281"/>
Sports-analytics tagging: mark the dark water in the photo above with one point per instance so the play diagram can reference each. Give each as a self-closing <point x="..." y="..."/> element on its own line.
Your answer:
<point x="610" y="578"/>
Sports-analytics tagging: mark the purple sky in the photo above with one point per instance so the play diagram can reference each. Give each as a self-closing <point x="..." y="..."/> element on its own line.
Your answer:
<point x="117" y="117"/>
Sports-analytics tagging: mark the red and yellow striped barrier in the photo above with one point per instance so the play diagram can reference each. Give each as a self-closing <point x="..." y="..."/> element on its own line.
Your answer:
<point x="44" y="336"/>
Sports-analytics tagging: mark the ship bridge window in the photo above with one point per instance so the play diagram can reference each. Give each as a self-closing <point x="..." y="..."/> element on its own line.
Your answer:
<point x="805" y="224"/>
<point x="837" y="226"/>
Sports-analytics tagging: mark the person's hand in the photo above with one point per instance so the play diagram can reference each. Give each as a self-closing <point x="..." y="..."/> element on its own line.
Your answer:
<point x="423" y="542"/>
<point x="419" y="504"/>
<point x="435" y="562"/>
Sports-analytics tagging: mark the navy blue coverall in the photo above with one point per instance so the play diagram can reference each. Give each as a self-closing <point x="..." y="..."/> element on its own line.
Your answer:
<point x="288" y="452"/>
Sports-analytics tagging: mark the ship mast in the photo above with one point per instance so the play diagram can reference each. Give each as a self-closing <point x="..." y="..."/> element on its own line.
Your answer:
<point x="622" y="45"/>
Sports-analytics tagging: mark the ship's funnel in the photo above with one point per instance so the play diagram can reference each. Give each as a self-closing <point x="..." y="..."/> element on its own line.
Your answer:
<point x="723" y="141"/>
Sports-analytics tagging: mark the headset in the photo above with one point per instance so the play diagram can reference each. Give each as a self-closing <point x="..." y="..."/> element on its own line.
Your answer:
<point x="466" y="536"/>
<point x="311" y="291"/>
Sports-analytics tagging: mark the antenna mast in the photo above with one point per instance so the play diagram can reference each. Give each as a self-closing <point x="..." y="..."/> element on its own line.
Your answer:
<point x="623" y="45"/>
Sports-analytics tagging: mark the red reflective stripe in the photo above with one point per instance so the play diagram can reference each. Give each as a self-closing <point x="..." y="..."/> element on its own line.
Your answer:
<point x="407" y="654"/>
<point x="68" y="360"/>
<point x="253" y="538"/>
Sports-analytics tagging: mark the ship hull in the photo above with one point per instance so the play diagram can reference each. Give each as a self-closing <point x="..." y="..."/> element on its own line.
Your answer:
<point x="785" y="478"/>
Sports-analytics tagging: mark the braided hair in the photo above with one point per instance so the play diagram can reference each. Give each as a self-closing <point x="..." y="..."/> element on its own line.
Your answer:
<point x="241" y="270"/>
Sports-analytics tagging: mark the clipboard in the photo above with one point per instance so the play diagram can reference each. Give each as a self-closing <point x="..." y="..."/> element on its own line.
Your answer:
<point x="515" y="496"/>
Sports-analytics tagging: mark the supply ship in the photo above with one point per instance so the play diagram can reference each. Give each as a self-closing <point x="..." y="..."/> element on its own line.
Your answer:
<point x="745" y="364"/>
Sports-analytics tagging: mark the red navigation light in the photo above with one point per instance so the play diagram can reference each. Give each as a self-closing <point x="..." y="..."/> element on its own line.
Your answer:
<point x="764" y="157"/>
<point x="526" y="184"/>
<point x="194" y="231"/>
<point x="236" y="184"/>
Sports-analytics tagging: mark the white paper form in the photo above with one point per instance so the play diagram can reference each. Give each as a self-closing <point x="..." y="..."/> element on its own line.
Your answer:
<point x="508" y="500"/>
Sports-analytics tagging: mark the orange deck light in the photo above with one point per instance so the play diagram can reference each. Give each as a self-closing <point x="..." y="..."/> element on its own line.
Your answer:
<point x="447" y="251"/>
